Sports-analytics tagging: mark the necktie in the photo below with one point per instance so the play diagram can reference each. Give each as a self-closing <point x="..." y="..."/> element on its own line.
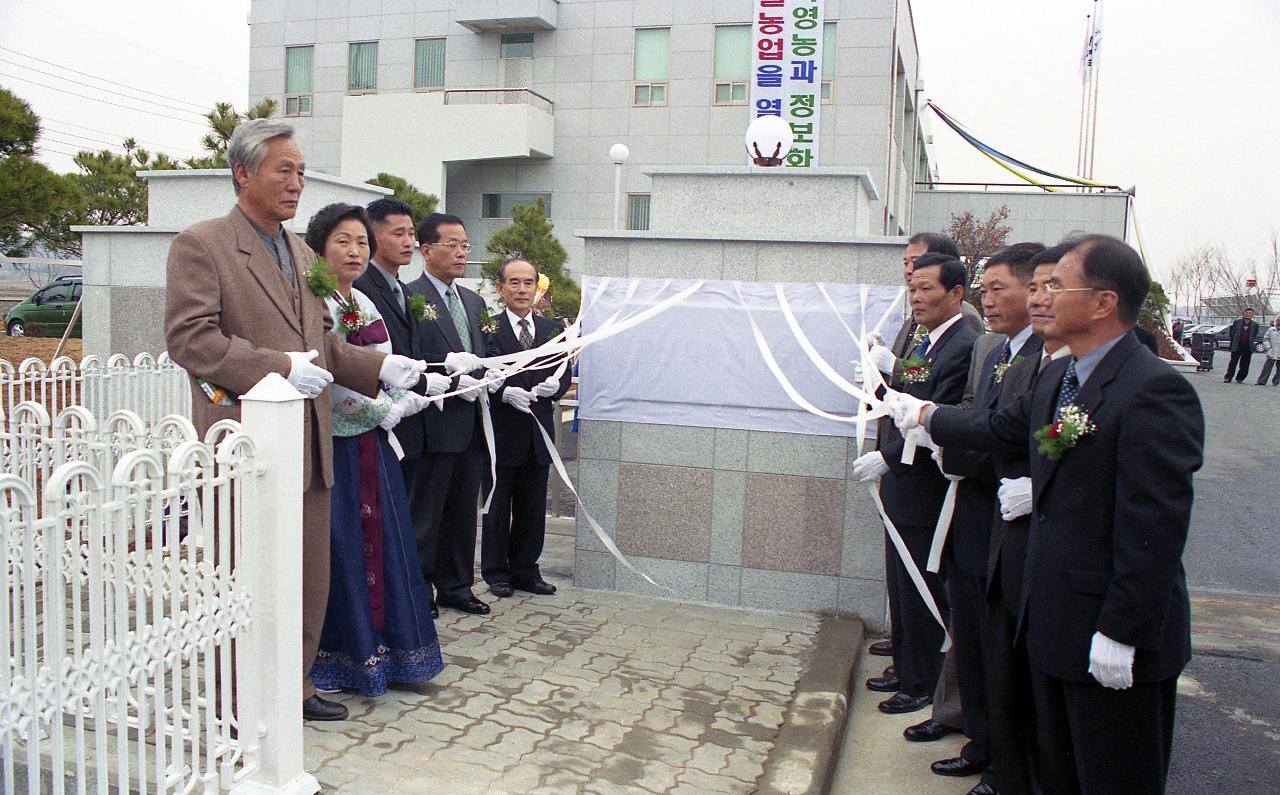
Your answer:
<point x="526" y="339"/>
<point x="459" y="317"/>
<point x="923" y="347"/>
<point x="1004" y="359"/>
<point x="398" y="291"/>
<point x="1044" y="362"/>
<point x="1070" y="391"/>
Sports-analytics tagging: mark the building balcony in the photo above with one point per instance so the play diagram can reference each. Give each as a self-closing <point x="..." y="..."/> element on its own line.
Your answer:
<point x="412" y="135"/>
<point x="507" y="16"/>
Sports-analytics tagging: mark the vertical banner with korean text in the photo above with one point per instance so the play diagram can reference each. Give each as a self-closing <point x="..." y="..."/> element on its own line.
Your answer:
<point x="786" y="71"/>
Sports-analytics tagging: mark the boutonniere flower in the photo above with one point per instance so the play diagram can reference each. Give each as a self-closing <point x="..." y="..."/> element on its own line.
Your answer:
<point x="1001" y="368"/>
<point x="913" y="370"/>
<point x="420" y="309"/>
<point x="487" y="324"/>
<point x="918" y="335"/>
<point x="320" y="278"/>
<point x="351" y="318"/>
<point x="1057" y="438"/>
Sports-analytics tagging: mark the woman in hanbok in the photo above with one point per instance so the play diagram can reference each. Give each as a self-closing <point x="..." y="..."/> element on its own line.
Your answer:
<point x="378" y="629"/>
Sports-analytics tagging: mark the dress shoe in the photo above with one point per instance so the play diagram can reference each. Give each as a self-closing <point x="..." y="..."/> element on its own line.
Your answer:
<point x="983" y="788"/>
<point x="881" y="648"/>
<point x="316" y="708"/>
<point x="883" y="684"/>
<point x="889" y="670"/>
<point x="927" y="732"/>
<point x="901" y="702"/>
<point x="539" y="587"/>
<point x="956" y="766"/>
<point x="469" y="604"/>
<point x="501" y="589"/>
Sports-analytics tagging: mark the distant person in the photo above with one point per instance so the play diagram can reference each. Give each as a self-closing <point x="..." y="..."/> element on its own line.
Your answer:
<point x="1244" y="333"/>
<point x="1271" y="345"/>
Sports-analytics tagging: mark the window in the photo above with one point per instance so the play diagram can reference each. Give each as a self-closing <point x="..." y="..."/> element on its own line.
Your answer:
<point x="54" y="294"/>
<point x="297" y="80"/>
<point x="516" y="45"/>
<point x="637" y="211"/>
<point x="428" y="63"/>
<point x="362" y="68"/>
<point x="733" y="64"/>
<point x="828" y="62"/>
<point x="498" y="205"/>
<point x="652" y="66"/>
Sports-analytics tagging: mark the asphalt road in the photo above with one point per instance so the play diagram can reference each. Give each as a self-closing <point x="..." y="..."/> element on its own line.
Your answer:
<point x="1227" y="738"/>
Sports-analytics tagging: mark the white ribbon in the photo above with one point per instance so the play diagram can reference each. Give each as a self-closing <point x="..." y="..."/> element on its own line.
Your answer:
<point x="944" y="525"/>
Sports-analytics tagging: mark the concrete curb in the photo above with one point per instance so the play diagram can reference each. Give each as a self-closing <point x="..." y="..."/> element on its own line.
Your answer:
<point x="803" y="758"/>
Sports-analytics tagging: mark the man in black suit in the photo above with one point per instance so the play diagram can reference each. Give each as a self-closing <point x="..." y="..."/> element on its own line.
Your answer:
<point x="1244" y="334"/>
<point x="1006" y="279"/>
<point x="446" y="480"/>
<point x="514" y="528"/>
<point x="913" y="492"/>
<point x="1104" y="609"/>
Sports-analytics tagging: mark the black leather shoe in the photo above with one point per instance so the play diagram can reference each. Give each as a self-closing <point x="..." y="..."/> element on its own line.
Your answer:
<point x="470" y="605"/>
<point x="983" y="788"/>
<point x="889" y="670"/>
<point x="901" y="702"/>
<point x="883" y="684"/>
<point x="927" y="732"/>
<point x="956" y="766"/>
<point x="501" y="589"/>
<point x="316" y="708"/>
<point x="881" y="648"/>
<point x="539" y="587"/>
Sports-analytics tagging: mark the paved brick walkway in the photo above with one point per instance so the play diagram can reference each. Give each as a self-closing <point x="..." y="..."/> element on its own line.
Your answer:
<point x="581" y="692"/>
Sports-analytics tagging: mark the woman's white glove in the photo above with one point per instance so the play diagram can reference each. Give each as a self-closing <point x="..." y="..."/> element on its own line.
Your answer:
<point x="393" y="416"/>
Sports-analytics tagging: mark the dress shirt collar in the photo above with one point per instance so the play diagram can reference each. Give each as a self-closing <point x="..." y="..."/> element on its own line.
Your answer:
<point x="441" y="287"/>
<point x="1017" y="341"/>
<point x="1086" y="364"/>
<point x="514" y="320"/>
<point x="935" y="334"/>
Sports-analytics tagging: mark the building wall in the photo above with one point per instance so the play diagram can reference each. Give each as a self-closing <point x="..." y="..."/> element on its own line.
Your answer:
<point x="585" y="67"/>
<point x="1043" y="217"/>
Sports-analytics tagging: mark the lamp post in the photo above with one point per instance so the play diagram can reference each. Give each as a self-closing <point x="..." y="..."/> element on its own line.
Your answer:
<point x="618" y="153"/>
<point x="768" y="140"/>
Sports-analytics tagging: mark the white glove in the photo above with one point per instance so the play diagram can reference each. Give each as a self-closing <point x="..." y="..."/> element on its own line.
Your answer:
<point x="437" y="384"/>
<point x="1015" y="498"/>
<point x="495" y="378"/>
<point x="462" y="362"/>
<point x="937" y="459"/>
<point x="306" y="377"/>
<point x="400" y="372"/>
<point x="906" y="409"/>
<point x="1111" y="662"/>
<point x="518" y="398"/>
<point x="412" y="404"/>
<point x="883" y="358"/>
<point x="548" y="387"/>
<point x="469" y="388"/>
<point x="870" y="466"/>
<point x="393" y="417"/>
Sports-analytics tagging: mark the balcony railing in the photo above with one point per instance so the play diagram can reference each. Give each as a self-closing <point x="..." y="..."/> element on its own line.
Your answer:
<point x="498" y="96"/>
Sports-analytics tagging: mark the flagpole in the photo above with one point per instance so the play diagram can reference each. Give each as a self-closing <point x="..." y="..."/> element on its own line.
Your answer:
<point x="1084" y="97"/>
<point x="1096" y="73"/>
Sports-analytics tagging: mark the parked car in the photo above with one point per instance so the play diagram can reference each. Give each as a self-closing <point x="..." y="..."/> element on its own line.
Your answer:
<point x="48" y="311"/>
<point x="1187" y="331"/>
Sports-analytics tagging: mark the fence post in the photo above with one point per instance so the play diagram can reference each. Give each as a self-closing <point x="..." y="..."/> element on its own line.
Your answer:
<point x="269" y="657"/>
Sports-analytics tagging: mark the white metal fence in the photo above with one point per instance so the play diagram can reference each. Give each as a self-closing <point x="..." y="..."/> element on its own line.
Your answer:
<point x="151" y="387"/>
<point x="135" y="554"/>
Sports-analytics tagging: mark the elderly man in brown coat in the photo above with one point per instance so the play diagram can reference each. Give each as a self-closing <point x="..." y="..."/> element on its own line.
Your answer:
<point x="238" y="308"/>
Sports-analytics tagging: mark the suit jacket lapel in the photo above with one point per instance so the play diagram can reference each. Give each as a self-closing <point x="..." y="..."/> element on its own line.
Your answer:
<point x="1043" y="405"/>
<point x="263" y="267"/>
<point x="507" y="339"/>
<point x="1092" y="393"/>
<point x="444" y="319"/>
<point x="935" y="346"/>
<point x="988" y="390"/>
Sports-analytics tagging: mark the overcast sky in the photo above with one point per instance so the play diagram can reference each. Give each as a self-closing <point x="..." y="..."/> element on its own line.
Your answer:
<point x="1186" y="101"/>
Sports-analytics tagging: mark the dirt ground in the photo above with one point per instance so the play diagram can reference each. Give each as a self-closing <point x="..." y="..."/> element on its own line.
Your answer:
<point x="18" y="349"/>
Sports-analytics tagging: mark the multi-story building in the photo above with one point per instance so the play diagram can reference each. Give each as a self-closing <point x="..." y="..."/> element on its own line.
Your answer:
<point x="490" y="103"/>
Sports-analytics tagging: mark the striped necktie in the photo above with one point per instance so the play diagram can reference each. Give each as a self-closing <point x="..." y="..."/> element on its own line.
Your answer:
<point x="459" y="317"/>
<point x="526" y="339"/>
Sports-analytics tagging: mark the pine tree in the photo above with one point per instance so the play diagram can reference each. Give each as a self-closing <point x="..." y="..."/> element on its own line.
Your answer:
<point x="422" y="204"/>
<point x="530" y="237"/>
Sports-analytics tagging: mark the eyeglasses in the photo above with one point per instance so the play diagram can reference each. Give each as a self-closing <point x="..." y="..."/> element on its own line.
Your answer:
<point x="466" y="247"/>
<point x="1052" y="289"/>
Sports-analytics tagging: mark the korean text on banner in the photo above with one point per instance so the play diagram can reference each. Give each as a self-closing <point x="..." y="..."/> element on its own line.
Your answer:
<point x="786" y="71"/>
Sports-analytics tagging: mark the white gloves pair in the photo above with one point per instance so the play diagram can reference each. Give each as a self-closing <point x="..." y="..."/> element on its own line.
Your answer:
<point x="520" y="399"/>
<point x="406" y="406"/>
<point x="1015" y="498"/>
<point x="1111" y="662"/>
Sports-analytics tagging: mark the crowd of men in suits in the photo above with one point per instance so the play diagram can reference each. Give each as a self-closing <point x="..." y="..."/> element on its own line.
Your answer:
<point x="1062" y="587"/>
<point x="239" y="308"/>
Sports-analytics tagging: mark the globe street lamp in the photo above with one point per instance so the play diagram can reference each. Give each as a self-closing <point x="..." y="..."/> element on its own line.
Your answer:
<point x="768" y="140"/>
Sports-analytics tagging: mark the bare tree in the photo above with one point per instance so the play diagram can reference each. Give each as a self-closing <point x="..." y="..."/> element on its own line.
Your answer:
<point x="977" y="241"/>
<point x="1193" y="275"/>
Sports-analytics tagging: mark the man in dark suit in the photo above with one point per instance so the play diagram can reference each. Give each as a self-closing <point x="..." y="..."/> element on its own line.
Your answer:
<point x="913" y="492"/>
<point x="1104" y="609"/>
<point x="516" y="524"/>
<point x="1244" y="335"/>
<point x="1006" y="278"/>
<point x="446" y="480"/>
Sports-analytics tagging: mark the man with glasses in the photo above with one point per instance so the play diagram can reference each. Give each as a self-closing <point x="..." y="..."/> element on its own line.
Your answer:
<point x="446" y="481"/>
<point x="1117" y="435"/>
